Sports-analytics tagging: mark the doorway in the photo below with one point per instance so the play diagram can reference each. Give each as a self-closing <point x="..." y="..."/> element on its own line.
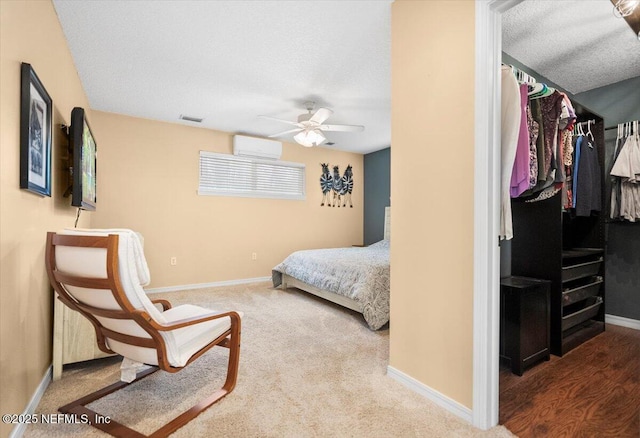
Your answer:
<point x="486" y="302"/>
<point x="486" y="283"/>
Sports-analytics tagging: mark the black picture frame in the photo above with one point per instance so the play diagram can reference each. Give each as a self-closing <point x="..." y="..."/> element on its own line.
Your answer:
<point x="36" y="109"/>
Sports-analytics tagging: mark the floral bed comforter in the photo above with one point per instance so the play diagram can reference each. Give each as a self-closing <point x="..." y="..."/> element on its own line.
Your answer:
<point x="361" y="274"/>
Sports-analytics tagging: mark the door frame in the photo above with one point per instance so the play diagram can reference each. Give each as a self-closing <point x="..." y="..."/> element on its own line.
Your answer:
<point x="487" y="165"/>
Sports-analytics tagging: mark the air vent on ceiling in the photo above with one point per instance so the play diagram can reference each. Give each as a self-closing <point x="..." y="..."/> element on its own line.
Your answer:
<point x="190" y="119"/>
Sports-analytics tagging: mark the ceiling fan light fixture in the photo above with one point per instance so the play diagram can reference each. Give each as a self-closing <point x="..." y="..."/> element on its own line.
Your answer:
<point x="310" y="126"/>
<point x="310" y="137"/>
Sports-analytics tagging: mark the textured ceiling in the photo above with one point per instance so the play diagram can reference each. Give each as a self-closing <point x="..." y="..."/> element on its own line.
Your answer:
<point x="230" y="61"/>
<point x="579" y="45"/>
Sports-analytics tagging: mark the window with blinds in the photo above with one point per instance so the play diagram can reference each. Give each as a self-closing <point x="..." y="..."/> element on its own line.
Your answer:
<point x="230" y="175"/>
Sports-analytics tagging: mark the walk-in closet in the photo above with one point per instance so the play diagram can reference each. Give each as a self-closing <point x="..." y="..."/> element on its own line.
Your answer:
<point x="570" y="220"/>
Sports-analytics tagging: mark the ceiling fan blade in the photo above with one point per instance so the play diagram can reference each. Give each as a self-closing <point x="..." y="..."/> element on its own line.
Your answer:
<point x="286" y="132"/>
<point x="321" y="115"/>
<point x="280" y="120"/>
<point x="351" y="128"/>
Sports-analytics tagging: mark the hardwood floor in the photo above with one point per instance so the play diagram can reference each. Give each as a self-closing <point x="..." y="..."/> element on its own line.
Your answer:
<point x="593" y="391"/>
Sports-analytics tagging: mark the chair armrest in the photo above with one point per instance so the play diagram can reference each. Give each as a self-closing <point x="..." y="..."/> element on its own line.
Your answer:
<point x="166" y="305"/>
<point x="235" y="318"/>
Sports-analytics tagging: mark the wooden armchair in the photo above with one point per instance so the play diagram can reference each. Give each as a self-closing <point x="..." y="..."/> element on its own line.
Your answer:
<point x="98" y="273"/>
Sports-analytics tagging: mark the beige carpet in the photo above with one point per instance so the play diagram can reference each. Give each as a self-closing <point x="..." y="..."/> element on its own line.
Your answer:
<point x="308" y="368"/>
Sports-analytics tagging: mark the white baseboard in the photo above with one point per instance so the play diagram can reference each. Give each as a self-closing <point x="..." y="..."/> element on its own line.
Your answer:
<point x="155" y="290"/>
<point x="20" y="428"/>
<point x="438" y="398"/>
<point x="622" y="321"/>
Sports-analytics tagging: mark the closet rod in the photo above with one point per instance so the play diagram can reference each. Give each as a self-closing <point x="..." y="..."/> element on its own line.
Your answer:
<point x="616" y="126"/>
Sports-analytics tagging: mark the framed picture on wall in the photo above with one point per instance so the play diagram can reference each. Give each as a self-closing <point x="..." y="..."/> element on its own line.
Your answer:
<point x="35" y="133"/>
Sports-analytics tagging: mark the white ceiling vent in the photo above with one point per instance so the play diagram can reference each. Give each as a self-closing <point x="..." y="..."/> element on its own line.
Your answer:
<point x="191" y="119"/>
<point x="254" y="147"/>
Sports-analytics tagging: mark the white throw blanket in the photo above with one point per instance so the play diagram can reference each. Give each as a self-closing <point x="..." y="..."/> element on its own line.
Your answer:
<point x="134" y="271"/>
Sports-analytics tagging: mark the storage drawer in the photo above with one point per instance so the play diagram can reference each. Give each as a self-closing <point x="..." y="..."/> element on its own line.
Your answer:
<point x="577" y="253"/>
<point x="591" y="310"/>
<point x="582" y="292"/>
<point x="581" y="270"/>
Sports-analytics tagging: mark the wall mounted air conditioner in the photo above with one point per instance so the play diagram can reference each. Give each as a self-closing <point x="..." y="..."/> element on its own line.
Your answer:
<point x="254" y="147"/>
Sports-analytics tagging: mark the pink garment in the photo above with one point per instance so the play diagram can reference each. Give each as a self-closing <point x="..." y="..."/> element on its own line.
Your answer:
<point x="520" y="172"/>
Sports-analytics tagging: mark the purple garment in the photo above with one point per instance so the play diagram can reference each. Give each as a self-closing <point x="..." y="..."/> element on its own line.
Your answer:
<point x="520" y="172"/>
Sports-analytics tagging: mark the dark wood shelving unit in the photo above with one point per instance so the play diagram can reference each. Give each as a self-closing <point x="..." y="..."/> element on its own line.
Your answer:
<point x="569" y="251"/>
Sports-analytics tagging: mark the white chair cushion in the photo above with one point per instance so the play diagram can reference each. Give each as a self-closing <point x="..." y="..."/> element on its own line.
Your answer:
<point x="190" y="340"/>
<point x="143" y="355"/>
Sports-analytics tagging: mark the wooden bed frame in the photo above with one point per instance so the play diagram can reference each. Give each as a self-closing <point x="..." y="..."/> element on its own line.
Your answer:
<point x="288" y="281"/>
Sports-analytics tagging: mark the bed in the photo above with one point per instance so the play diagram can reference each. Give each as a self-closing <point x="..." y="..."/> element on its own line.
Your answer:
<point x="356" y="277"/>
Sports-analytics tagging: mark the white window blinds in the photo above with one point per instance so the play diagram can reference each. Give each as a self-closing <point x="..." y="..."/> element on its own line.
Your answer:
<point x="230" y="175"/>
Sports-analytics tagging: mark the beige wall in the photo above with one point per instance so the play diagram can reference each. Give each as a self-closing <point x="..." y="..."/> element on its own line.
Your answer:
<point x="29" y="32"/>
<point x="147" y="181"/>
<point x="432" y="194"/>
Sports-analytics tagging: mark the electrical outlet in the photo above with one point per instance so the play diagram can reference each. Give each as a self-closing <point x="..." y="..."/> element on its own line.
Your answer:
<point x="174" y="261"/>
<point x="254" y="256"/>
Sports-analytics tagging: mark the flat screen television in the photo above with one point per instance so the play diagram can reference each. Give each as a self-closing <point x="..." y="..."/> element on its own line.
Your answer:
<point x="83" y="146"/>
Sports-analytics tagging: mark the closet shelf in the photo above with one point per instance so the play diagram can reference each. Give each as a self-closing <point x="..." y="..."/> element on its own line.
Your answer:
<point x="591" y="310"/>
<point x="581" y="270"/>
<point x="582" y="292"/>
<point x="581" y="252"/>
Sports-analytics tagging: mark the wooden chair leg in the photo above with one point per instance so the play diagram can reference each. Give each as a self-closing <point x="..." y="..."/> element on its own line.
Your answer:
<point x="233" y="343"/>
<point x="116" y="429"/>
<point x="99" y="421"/>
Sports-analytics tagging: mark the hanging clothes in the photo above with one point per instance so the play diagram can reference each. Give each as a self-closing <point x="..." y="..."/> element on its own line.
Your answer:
<point x="551" y="111"/>
<point x="625" y="197"/>
<point x="576" y="167"/>
<point x="510" y="117"/>
<point x="566" y="141"/>
<point x="568" y="119"/>
<point x="539" y="156"/>
<point x="567" y="147"/>
<point x="521" y="166"/>
<point x="536" y="113"/>
<point x="533" y="128"/>
<point x="548" y="109"/>
<point x="616" y="181"/>
<point x="588" y="188"/>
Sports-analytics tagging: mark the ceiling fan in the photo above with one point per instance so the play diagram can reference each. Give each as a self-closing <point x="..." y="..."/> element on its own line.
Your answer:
<point x="310" y="126"/>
